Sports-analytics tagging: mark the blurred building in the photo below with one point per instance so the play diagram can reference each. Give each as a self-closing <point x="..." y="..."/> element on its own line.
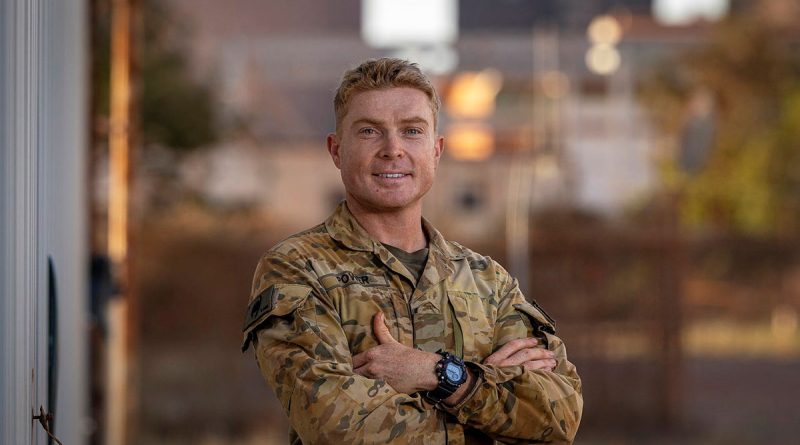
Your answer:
<point x="586" y="135"/>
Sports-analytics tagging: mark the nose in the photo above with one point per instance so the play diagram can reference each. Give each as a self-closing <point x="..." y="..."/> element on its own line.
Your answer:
<point x="392" y="147"/>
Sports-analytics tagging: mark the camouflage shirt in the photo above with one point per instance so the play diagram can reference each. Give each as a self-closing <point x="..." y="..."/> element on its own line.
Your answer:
<point x="311" y="307"/>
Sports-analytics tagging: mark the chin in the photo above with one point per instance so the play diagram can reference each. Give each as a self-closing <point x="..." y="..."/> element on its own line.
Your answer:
<point x="390" y="205"/>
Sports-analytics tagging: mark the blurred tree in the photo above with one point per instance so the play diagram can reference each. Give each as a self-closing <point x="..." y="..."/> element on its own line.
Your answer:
<point x="176" y="107"/>
<point x="732" y="108"/>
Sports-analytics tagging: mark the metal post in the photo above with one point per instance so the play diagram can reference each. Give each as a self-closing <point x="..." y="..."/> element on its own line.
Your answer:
<point x="120" y="390"/>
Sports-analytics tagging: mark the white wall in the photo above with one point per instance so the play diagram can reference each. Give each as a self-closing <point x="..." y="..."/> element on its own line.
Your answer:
<point x="43" y="125"/>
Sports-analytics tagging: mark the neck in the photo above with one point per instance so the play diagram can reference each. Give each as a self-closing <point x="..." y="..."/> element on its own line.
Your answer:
<point x="402" y="228"/>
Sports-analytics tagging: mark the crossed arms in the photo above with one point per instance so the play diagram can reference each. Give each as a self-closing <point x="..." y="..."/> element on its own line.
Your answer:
<point x="518" y="394"/>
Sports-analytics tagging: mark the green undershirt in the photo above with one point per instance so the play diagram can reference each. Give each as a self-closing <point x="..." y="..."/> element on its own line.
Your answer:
<point x="413" y="261"/>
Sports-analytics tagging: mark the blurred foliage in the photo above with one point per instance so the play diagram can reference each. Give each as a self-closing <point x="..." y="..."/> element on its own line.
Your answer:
<point x="750" y="181"/>
<point x="176" y="108"/>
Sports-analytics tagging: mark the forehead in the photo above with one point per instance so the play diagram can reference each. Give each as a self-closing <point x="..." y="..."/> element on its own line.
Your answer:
<point x="389" y="104"/>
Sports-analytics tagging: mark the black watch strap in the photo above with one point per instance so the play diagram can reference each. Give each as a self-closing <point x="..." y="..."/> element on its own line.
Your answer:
<point x="446" y="386"/>
<point x="440" y="393"/>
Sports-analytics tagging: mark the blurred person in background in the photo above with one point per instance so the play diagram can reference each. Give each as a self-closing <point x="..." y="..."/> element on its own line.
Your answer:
<point x="372" y="328"/>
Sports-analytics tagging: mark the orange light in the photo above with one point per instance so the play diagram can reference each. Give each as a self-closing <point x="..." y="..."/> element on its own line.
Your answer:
<point x="604" y="30"/>
<point x="472" y="94"/>
<point x="469" y="141"/>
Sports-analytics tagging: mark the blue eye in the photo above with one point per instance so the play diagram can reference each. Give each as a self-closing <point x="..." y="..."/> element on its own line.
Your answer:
<point x="414" y="131"/>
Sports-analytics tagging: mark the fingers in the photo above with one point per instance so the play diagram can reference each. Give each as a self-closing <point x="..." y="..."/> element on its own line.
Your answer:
<point x="509" y="349"/>
<point x="359" y="360"/>
<point x="380" y="329"/>
<point x="544" y="365"/>
<point x="527" y="355"/>
<point x="523" y="352"/>
<point x="363" y="371"/>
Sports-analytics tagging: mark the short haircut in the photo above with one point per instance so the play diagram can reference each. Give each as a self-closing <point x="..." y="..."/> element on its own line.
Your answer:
<point x="378" y="74"/>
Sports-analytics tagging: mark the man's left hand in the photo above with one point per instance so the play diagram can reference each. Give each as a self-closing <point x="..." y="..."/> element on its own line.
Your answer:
<point x="525" y="352"/>
<point x="406" y="369"/>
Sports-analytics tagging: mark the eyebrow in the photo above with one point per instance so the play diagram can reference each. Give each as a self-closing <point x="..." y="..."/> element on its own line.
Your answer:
<point x="414" y="120"/>
<point x="366" y="120"/>
<point x="408" y="120"/>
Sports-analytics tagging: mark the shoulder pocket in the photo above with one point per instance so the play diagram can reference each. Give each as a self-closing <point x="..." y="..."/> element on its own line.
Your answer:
<point x="542" y="323"/>
<point x="275" y="301"/>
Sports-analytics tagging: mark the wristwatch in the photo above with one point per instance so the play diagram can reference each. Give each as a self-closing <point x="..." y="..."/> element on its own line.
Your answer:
<point x="451" y="373"/>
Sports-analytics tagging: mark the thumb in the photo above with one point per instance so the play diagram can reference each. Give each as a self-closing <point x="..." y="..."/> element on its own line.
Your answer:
<point x="380" y="329"/>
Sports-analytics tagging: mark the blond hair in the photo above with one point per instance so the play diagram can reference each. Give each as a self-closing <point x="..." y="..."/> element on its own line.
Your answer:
<point x="383" y="73"/>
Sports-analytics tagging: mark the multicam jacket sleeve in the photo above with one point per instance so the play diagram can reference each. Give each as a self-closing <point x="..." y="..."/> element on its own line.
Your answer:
<point x="311" y="305"/>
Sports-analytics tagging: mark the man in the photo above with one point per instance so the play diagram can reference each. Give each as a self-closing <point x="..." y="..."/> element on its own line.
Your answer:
<point x="372" y="328"/>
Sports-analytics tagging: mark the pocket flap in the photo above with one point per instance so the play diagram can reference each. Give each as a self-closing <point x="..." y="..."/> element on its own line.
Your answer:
<point x="541" y="321"/>
<point x="276" y="300"/>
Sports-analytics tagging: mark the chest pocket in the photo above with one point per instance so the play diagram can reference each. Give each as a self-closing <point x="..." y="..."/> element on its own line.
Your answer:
<point x="429" y="327"/>
<point x="475" y="321"/>
<point x="277" y="300"/>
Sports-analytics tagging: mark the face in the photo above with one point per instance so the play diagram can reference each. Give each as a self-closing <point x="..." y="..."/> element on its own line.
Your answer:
<point x="387" y="150"/>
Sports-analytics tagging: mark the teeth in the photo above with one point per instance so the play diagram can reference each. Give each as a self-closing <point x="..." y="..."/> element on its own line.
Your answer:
<point x="391" y="175"/>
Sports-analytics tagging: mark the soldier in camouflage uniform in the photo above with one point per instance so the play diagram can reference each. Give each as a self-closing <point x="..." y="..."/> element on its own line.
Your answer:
<point x="350" y="319"/>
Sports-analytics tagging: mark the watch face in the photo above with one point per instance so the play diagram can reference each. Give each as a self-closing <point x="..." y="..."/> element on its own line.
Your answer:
<point x="454" y="372"/>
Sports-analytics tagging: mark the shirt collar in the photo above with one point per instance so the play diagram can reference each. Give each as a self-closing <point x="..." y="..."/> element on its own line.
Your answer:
<point x="344" y="228"/>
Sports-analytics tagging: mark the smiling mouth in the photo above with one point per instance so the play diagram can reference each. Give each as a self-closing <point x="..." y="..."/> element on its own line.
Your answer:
<point x="390" y="175"/>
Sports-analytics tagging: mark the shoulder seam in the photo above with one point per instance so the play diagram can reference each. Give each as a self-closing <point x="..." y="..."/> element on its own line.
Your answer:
<point x="319" y="229"/>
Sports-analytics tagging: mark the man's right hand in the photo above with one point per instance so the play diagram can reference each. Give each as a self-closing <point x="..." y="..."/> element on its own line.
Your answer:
<point x="523" y="352"/>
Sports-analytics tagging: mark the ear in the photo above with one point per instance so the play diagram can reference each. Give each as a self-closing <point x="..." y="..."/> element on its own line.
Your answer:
<point x="333" y="148"/>
<point x="438" y="146"/>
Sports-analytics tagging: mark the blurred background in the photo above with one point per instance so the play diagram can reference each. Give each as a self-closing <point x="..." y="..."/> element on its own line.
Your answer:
<point x="634" y="163"/>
